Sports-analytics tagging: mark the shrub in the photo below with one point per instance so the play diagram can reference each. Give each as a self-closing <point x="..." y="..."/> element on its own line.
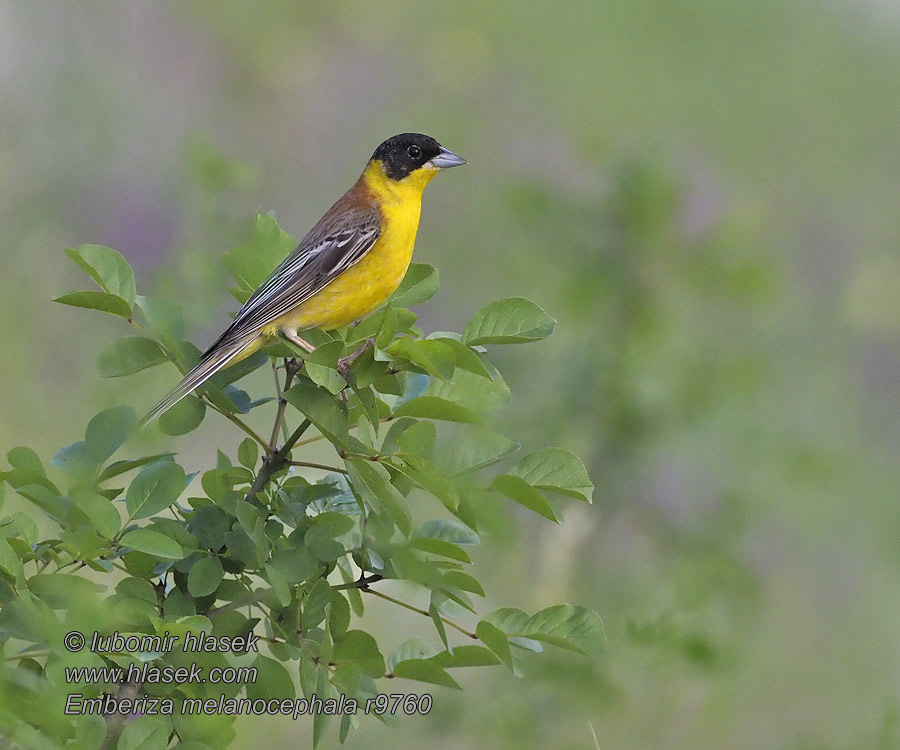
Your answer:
<point x="269" y="555"/>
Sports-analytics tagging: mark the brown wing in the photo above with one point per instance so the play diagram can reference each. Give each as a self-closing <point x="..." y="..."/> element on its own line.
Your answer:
<point x="340" y="240"/>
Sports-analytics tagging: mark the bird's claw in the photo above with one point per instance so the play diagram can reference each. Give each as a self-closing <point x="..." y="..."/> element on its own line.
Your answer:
<point x="344" y="363"/>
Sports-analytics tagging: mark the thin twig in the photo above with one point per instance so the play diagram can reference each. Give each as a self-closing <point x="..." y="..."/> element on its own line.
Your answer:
<point x="314" y="465"/>
<point x="291" y="367"/>
<point x="362" y="583"/>
<point x="279" y="415"/>
<point x="425" y="612"/>
<point x="240" y="423"/>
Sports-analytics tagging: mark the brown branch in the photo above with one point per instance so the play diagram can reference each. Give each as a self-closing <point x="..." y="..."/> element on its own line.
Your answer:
<point x="275" y="462"/>
<point x="362" y="583"/>
<point x="291" y="367"/>
<point x="314" y="465"/>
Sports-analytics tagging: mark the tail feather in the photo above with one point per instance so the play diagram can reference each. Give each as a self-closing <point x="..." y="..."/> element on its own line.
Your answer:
<point x="219" y="356"/>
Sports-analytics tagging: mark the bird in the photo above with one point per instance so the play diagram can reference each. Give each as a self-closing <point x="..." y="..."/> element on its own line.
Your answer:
<point x="345" y="267"/>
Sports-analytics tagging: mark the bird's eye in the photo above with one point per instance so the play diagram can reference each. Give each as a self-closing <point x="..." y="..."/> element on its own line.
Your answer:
<point x="414" y="151"/>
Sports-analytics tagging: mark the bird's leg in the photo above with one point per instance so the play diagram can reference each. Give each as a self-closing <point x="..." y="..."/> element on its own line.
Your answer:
<point x="344" y="363"/>
<point x="295" y="339"/>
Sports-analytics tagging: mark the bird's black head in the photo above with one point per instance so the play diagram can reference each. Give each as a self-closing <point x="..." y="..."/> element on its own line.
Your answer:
<point x="405" y="153"/>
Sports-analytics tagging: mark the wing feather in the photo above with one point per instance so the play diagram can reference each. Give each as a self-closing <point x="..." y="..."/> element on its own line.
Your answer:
<point x="326" y="252"/>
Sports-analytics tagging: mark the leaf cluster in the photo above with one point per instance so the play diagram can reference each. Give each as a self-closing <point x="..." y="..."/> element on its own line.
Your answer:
<point x="273" y="539"/>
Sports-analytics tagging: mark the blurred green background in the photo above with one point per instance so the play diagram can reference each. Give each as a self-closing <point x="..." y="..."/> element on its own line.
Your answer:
<point x="703" y="193"/>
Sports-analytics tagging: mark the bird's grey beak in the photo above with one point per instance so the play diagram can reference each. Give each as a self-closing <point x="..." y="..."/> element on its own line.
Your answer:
<point x="446" y="159"/>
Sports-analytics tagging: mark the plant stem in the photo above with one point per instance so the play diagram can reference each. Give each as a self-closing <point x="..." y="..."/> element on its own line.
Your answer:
<point x="240" y="423"/>
<point x="362" y="583"/>
<point x="291" y="367"/>
<point x="425" y="612"/>
<point x="314" y="465"/>
<point x="275" y="462"/>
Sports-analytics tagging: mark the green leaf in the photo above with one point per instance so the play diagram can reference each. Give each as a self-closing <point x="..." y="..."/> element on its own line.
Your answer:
<point x="432" y="407"/>
<point x="326" y="377"/>
<point x="339" y="614"/>
<point x="425" y="670"/>
<point x="319" y="406"/>
<point x="360" y="647"/>
<point x="108" y="430"/>
<point x="62" y="590"/>
<point x="458" y="580"/>
<point x="372" y="482"/>
<point x="519" y="490"/>
<point x="184" y="417"/>
<point x="153" y="543"/>
<point x="318" y="598"/>
<point x="208" y="525"/>
<point x="419" y="285"/>
<point x="434" y="357"/>
<point x="440" y="547"/>
<point x="477" y="448"/>
<point x="101" y="512"/>
<point x="279" y="586"/>
<point x="320" y="538"/>
<point x="381" y="326"/>
<point x="58" y="508"/>
<point x="369" y="404"/>
<point x="418" y="439"/>
<point x="514" y="320"/>
<point x="466" y="358"/>
<point x="174" y="530"/>
<point x="448" y="530"/>
<point x="108" y="268"/>
<point x="205" y="576"/>
<point x="294" y="565"/>
<point x="144" y="733"/>
<point x="248" y="453"/>
<point x="120" y="467"/>
<point x="466" y="656"/>
<point x="27" y="527"/>
<point x="414" y="648"/>
<point x="250" y="264"/>
<point x="128" y="355"/>
<point x="91" y="300"/>
<point x="473" y="392"/>
<point x="353" y="594"/>
<point x="9" y="560"/>
<point x="273" y="681"/>
<point x="564" y="625"/>
<point x="496" y="640"/>
<point x="154" y="488"/>
<point x="326" y="353"/>
<point x="77" y="461"/>
<point x="22" y="457"/>
<point x="90" y="731"/>
<point x="557" y="470"/>
<point x="167" y="321"/>
<point x="435" y="616"/>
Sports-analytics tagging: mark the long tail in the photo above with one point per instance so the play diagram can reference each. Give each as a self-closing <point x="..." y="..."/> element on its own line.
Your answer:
<point x="217" y="357"/>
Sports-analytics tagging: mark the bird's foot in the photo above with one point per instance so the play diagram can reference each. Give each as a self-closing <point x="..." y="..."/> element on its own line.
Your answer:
<point x="344" y="363"/>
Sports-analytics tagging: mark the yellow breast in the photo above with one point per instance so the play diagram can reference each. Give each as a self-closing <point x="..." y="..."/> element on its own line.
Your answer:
<point x="365" y="286"/>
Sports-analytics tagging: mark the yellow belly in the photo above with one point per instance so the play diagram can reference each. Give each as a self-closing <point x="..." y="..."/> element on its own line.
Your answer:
<point x="362" y="288"/>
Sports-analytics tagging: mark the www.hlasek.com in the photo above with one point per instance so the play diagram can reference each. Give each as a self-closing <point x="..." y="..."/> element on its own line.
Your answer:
<point x="147" y="673"/>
